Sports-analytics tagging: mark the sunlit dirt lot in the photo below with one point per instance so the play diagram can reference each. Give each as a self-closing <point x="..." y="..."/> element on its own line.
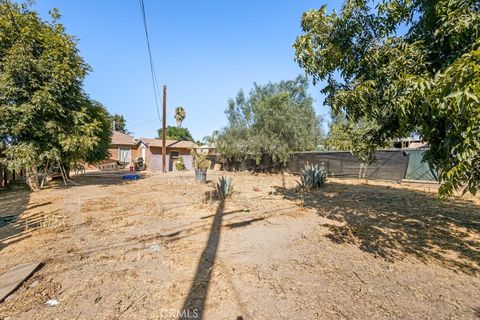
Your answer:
<point x="164" y="247"/>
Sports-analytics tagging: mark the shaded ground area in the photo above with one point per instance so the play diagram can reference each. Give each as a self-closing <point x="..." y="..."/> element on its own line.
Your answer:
<point x="14" y="202"/>
<point x="395" y="222"/>
<point x="165" y="248"/>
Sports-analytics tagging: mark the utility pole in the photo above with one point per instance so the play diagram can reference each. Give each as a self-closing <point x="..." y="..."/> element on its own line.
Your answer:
<point x="164" y="129"/>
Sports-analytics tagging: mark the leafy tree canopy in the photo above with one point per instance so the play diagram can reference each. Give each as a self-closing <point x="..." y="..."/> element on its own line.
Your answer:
<point x="176" y="133"/>
<point x="348" y="135"/>
<point x="426" y="80"/>
<point x="119" y="123"/>
<point x="273" y="119"/>
<point x="44" y="112"/>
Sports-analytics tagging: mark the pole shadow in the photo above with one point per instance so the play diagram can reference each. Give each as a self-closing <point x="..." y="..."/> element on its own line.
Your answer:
<point x="194" y="304"/>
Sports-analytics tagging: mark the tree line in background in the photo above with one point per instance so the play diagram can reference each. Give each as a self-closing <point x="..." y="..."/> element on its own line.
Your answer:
<point x="45" y="116"/>
<point x="391" y="69"/>
<point x="269" y="123"/>
<point x="403" y="67"/>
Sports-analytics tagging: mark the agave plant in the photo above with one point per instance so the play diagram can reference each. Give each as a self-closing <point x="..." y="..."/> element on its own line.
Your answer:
<point x="224" y="187"/>
<point x="312" y="177"/>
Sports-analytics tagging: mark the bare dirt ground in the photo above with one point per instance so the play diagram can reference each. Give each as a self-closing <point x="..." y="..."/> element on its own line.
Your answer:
<point x="160" y="246"/>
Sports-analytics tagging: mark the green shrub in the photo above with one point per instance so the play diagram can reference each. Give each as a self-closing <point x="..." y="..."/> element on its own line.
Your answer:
<point x="199" y="160"/>
<point x="180" y="165"/>
<point x="312" y="177"/>
<point x="224" y="187"/>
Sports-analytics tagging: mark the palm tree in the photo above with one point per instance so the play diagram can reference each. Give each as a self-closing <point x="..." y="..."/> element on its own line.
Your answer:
<point x="179" y="115"/>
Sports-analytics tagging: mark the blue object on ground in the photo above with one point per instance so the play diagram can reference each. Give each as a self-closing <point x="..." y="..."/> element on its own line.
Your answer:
<point x="134" y="176"/>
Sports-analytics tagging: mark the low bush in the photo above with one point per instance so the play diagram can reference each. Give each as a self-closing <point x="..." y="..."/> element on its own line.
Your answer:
<point x="180" y="165"/>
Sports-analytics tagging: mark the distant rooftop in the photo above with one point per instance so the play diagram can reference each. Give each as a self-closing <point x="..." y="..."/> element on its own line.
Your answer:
<point x="119" y="138"/>
<point x="170" y="143"/>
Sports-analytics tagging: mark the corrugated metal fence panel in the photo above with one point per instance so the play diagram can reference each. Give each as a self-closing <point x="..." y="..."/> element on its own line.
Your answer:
<point x="388" y="164"/>
<point x="418" y="169"/>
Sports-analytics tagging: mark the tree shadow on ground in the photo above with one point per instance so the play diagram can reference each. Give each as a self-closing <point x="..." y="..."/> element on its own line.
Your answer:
<point x="14" y="202"/>
<point x="195" y="302"/>
<point x="393" y="223"/>
<point x="16" y="226"/>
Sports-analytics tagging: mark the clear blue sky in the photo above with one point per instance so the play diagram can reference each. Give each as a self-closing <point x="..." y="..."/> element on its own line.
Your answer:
<point x="210" y="50"/>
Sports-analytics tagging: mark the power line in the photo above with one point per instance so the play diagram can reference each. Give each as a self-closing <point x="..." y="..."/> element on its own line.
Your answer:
<point x="156" y="90"/>
<point x="141" y="123"/>
<point x="155" y="87"/>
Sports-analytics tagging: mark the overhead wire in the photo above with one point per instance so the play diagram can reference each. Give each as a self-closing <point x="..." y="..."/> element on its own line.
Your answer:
<point x="156" y="89"/>
<point x="141" y="123"/>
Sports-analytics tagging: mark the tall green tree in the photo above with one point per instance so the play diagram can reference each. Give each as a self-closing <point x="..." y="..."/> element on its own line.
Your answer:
<point x="44" y="113"/>
<point x="405" y="66"/>
<point x="273" y="120"/>
<point x="176" y="133"/>
<point x="211" y="140"/>
<point x="179" y="115"/>
<point x="347" y="135"/>
<point x="119" y="123"/>
<point x="339" y="136"/>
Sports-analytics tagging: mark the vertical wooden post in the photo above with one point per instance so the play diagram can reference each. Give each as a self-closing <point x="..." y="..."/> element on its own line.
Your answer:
<point x="3" y="175"/>
<point x="164" y="129"/>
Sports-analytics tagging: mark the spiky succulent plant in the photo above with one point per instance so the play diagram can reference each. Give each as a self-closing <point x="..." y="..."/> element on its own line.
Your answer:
<point x="224" y="187"/>
<point x="312" y="177"/>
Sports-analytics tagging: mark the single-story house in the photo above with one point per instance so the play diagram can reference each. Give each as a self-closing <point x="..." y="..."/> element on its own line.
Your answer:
<point x="126" y="149"/>
<point x="410" y="143"/>
<point x="175" y="150"/>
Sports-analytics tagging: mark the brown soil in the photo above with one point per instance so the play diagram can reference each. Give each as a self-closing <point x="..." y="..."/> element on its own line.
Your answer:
<point x="162" y="245"/>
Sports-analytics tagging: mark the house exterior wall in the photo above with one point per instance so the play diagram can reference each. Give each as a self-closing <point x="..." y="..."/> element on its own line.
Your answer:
<point x="182" y="151"/>
<point x="113" y="151"/>
<point x="187" y="161"/>
<point x="135" y="152"/>
<point x="154" y="158"/>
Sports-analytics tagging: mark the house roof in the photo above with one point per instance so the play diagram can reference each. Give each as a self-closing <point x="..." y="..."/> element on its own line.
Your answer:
<point x="417" y="145"/>
<point x="184" y="144"/>
<point x="170" y="143"/>
<point x="155" y="142"/>
<point x="119" y="138"/>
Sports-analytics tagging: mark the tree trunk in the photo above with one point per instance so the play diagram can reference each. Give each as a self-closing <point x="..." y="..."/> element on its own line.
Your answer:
<point x="66" y="167"/>
<point x="32" y="177"/>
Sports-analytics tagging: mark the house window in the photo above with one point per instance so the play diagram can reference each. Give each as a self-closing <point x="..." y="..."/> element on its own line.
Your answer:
<point x="124" y="155"/>
<point x="174" y="154"/>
